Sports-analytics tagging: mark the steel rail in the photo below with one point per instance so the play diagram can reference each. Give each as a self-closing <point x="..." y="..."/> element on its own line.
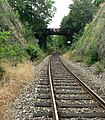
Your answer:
<point x="54" y="106"/>
<point x="89" y="90"/>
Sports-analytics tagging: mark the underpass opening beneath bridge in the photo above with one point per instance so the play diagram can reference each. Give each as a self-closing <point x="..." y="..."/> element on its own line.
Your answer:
<point x="68" y="33"/>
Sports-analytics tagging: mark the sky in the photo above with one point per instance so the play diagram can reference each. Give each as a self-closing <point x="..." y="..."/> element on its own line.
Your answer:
<point x="62" y="10"/>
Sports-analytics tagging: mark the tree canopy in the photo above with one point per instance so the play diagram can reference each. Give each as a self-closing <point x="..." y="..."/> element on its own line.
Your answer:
<point x="98" y="2"/>
<point x="38" y="13"/>
<point x="81" y="13"/>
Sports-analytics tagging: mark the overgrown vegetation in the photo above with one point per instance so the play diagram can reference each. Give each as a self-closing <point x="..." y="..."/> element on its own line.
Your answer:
<point x="81" y="13"/>
<point x="99" y="67"/>
<point x="57" y="43"/>
<point x="11" y="50"/>
<point x="91" y="47"/>
<point x="37" y="13"/>
<point x="18" y="48"/>
<point x="98" y="2"/>
<point x="13" y="81"/>
<point x="34" y="51"/>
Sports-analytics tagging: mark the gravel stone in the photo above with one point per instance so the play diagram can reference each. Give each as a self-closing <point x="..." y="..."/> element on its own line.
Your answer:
<point x="23" y="108"/>
<point x="88" y="76"/>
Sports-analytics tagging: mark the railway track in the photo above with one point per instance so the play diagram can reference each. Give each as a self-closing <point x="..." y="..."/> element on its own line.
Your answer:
<point x="63" y="96"/>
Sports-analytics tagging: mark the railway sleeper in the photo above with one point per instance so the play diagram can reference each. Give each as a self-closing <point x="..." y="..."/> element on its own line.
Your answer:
<point x="71" y="115"/>
<point x="43" y="104"/>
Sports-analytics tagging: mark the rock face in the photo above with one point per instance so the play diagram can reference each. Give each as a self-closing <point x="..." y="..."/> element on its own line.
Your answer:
<point x="10" y="22"/>
<point x="92" y="43"/>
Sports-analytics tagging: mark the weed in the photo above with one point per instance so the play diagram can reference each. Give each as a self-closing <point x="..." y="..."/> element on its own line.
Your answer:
<point x="34" y="51"/>
<point x="16" y="78"/>
<point x="99" y="67"/>
<point x="2" y="72"/>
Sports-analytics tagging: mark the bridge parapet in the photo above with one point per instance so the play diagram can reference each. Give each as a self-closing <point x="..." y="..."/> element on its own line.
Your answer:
<point x="58" y="31"/>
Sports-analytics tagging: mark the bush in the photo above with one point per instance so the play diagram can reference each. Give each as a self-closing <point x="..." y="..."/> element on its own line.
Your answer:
<point x="77" y="36"/>
<point x="91" y="54"/>
<point x="28" y="33"/>
<point x="99" y="67"/>
<point x="11" y="50"/>
<point x="15" y="52"/>
<point x="34" y="51"/>
<point x="98" y="2"/>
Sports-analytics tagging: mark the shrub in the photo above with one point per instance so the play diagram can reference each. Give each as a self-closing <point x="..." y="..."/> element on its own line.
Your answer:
<point x="28" y="33"/>
<point x="77" y="36"/>
<point x="91" y="54"/>
<point x="11" y="50"/>
<point x="99" y="67"/>
<point x="3" y="39"/>
<point x="15" y="52"/>
<point x="34" y="51"/>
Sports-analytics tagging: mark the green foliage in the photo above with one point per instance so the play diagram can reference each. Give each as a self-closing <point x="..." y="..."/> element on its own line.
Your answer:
<point x="1" y="1"/>
<point x="81" y="13"/>
<point x="15" y="52"/>
<point x="91" y="46"/>
<point x="86" y="48"/>
<point x="34" y="51"/>
<point x="99" y="67"/>
<point x="98" y="2"/>
<point x="3" y="38"/>
<point x="37" y="13"/>
<point x="91" y="53"/>
<point x="57" y="43"/>
<point x="11" y="50"/>
<point x="77" y="36"/>
<point x="28" y="33"/>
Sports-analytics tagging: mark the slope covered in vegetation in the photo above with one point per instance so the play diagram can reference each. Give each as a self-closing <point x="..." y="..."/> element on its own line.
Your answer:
<point x="11" y="37"/>
<point x="91" y="47"/>
<point x="17" y="47"/>
<point x="9" y="21"/>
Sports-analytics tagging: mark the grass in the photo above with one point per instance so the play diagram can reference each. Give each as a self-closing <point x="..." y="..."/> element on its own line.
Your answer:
<point x="13" y="81"/>
<point x="66" y="55"/>
<point x="99" y="67"/>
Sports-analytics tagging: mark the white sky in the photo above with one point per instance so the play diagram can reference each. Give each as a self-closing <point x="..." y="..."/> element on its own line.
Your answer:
<point x="62" y="10"/>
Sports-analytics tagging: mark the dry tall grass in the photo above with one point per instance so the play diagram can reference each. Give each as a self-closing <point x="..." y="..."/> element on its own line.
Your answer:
<point x="66" y="55"/>
<point x="15" y="79"/>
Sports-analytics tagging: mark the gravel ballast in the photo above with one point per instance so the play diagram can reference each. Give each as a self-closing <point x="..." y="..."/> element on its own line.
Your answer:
<point x="87" y="74"/>
<point x="23" y="108"/>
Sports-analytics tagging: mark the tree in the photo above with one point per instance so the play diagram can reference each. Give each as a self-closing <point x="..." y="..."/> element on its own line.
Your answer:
<point x="98" y="2"/>
<point x="33" y="10"/>
<point x="81" y="13"/>
<point x="38" y="13"/>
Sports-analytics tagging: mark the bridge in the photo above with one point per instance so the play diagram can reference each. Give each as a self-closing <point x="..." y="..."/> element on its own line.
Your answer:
<point x="57" y="31"/>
